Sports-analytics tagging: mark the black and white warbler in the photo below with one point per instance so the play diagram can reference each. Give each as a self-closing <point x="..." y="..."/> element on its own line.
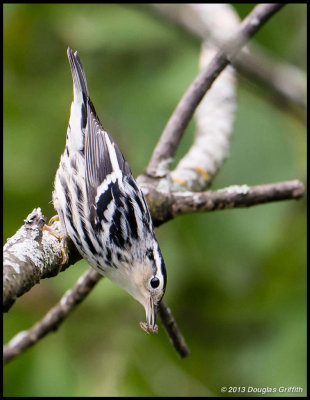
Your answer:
<point x="101" y="207"/>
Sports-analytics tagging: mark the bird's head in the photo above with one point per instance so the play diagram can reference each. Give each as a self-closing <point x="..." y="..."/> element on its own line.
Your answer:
<point x="144" y="279"/>
<point x="149" y="288"/>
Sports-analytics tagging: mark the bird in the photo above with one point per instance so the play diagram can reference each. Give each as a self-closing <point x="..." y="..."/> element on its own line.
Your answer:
<point x="101" y="207"/>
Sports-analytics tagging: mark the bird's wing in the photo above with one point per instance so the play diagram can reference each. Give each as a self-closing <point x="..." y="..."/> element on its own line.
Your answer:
<point x="105" y="166"/>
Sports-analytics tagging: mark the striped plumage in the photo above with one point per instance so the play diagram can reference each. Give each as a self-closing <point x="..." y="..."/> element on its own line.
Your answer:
<point x="102" y="209"/>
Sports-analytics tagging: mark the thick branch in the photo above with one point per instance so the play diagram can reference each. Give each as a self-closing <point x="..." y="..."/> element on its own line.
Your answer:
<point x="30" y="255"/>
<point x="173" y="132"/>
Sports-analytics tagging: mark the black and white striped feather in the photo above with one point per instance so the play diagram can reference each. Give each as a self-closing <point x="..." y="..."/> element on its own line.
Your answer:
<point x="100" y="206"/>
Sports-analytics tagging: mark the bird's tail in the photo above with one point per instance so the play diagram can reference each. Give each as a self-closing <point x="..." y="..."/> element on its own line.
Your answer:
<point x="79" y="80"/>
<point x="78" y="115"/>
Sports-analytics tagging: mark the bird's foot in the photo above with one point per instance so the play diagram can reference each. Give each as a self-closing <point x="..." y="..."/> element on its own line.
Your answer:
<point x="63" y="242"/>
<point x="53" y="219"/>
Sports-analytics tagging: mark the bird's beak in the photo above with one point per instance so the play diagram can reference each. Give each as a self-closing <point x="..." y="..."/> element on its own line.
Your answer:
<point x="150" y="313"/>
<point x="149" y="325"/>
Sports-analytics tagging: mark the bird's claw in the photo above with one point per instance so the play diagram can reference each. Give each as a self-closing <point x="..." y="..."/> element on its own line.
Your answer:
<point x="63" y="243"/>
<point x="53" y="219"/>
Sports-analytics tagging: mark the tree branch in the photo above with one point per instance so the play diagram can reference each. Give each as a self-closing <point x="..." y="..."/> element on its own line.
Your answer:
<point x="288" y="82"/>
<point x="51" y="321"/>
<point x="170" y="205"/>
<point x="31" y="255"/>
<point x="214" y="119"/>
<point x="172" y="329"/>
<point x="173" y="132"/>
<point x="235" y="196"/>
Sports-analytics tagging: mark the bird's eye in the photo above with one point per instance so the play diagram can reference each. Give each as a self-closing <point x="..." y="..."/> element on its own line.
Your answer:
<point x="154" y="282"/>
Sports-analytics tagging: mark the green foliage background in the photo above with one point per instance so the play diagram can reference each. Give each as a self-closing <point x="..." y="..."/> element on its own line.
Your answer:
<point x="236" y="278"/>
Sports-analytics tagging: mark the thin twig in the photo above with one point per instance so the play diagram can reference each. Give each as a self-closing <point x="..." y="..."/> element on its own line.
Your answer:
<point x="235" y="196"/>
<point x="286" y="82"/>
<point x="173" y="132"/>
<point x="51" y="321"/>
<point x="68" y="303"/>
<point x="173" y="330"/>
<point x="171" y="205"/>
